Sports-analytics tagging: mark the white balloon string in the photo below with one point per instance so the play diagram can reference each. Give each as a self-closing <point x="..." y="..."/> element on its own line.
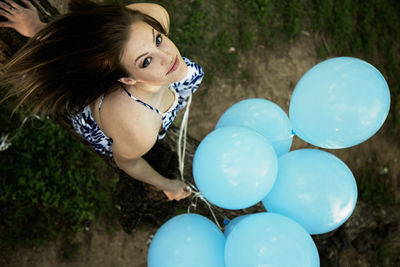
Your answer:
<point x="182" y="135"/>
<point x="198" y="195"/>
<point x="4" y="142"/>
<point x="181" y="158"/>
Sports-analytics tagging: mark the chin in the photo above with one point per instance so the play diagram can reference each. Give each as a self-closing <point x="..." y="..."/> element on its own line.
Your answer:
<point x="182" y="71"/>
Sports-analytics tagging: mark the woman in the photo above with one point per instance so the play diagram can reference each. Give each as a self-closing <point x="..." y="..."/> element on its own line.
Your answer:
<point x="113" y="71"/>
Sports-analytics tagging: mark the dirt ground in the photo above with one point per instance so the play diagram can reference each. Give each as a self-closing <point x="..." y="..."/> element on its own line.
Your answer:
<point x="275" y="73"/>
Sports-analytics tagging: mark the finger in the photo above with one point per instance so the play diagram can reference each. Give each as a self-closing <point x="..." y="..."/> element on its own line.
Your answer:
<point x="189" y="192"/>
<point x="6" y="24"/>
<point x="4" y="7"/>
<point x="28" y="4"/>
<point x="186" y="196"/>
<point x="12" y="4"/>
<point x="187" y="189"/>
<point x="183" y="196"/>
<point x="5" y="14"/>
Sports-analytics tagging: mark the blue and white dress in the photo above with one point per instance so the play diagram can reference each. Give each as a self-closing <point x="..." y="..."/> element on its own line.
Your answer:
<point x="85" y="125"/>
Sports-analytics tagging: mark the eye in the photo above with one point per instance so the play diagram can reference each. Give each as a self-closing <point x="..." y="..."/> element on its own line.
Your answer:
<point x="146" y="62"/>
<point x="158" y="40"/>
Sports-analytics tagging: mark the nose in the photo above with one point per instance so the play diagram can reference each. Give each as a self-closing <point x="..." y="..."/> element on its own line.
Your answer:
<point x="166" y="58"/>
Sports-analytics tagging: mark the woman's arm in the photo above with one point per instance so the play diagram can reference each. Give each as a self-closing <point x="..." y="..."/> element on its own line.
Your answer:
<point x="134" y="131"/>
<point x="24" y="20"/>
<point x="128" y="149"/>
<point x="142" y="171"/>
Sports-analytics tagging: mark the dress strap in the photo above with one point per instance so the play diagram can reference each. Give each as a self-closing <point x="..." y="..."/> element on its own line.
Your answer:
<point x="101" y="101"/>
<point x="141" y="102"/>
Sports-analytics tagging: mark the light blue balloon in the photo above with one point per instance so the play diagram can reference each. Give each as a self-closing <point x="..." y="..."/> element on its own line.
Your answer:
<point x="268" y="239"/>
<point x="263" y="116"/>
<point x="315" y="189"/>
<point x="339" y="103"/>
<point x="187" y="240"/>
<point x="234" y="167"/>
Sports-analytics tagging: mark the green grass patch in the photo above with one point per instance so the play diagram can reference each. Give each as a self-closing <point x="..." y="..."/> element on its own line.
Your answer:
<point x="373" y="184"/>
<point x="50" y="183"/>
<point x="372" y="189"/>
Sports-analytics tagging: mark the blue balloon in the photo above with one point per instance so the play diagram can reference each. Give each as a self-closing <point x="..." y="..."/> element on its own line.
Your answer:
<point x="315" y="189"/>
<point x="187" y="240"/>
<point x="267" y="239"/>
<point x="263" y="116"/>
<point x="234" y="167"/>
<point x="339" y="103"/>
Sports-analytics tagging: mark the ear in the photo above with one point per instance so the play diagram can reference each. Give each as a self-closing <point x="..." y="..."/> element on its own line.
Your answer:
<point x="127" y="80"/>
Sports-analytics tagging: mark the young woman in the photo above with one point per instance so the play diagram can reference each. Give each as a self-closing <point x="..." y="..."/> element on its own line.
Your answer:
<point x="112" y="70"/>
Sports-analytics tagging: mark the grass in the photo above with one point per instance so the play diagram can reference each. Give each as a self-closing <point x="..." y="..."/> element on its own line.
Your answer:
<point x="373" y="184"/>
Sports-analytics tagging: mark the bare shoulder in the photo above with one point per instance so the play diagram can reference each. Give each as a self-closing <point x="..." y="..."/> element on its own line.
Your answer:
<point x="132" y="127"/>
<point x="153" y="10"/>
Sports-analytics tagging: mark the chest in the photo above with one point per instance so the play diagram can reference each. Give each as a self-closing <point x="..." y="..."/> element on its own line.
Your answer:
<point x="124" y="106"/>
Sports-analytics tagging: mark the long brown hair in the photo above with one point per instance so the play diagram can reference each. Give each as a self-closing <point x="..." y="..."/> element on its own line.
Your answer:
<point x="74" y="59"/>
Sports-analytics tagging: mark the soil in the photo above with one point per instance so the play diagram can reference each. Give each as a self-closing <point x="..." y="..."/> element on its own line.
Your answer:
<point x="275" y="73"/>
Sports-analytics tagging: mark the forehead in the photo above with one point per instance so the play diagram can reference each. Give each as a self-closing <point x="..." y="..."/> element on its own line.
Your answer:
<point x="140" y="39"/>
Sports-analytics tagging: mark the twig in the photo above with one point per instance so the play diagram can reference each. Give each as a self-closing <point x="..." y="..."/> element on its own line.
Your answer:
<point x="325" y="43"/>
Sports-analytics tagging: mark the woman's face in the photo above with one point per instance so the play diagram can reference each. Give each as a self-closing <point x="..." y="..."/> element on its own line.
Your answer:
<point x="151" y="58"/>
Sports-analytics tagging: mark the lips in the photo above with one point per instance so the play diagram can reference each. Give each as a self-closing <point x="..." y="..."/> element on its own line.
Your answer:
<point x="174" y="66"/>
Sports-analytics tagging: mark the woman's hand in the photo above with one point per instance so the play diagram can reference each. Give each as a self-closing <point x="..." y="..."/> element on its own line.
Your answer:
<point x="178" y="191"/>
<point x="24" y="20"/>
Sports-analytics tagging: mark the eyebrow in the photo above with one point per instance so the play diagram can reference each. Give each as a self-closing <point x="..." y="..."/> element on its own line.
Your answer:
<point x="154" y="40"/>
